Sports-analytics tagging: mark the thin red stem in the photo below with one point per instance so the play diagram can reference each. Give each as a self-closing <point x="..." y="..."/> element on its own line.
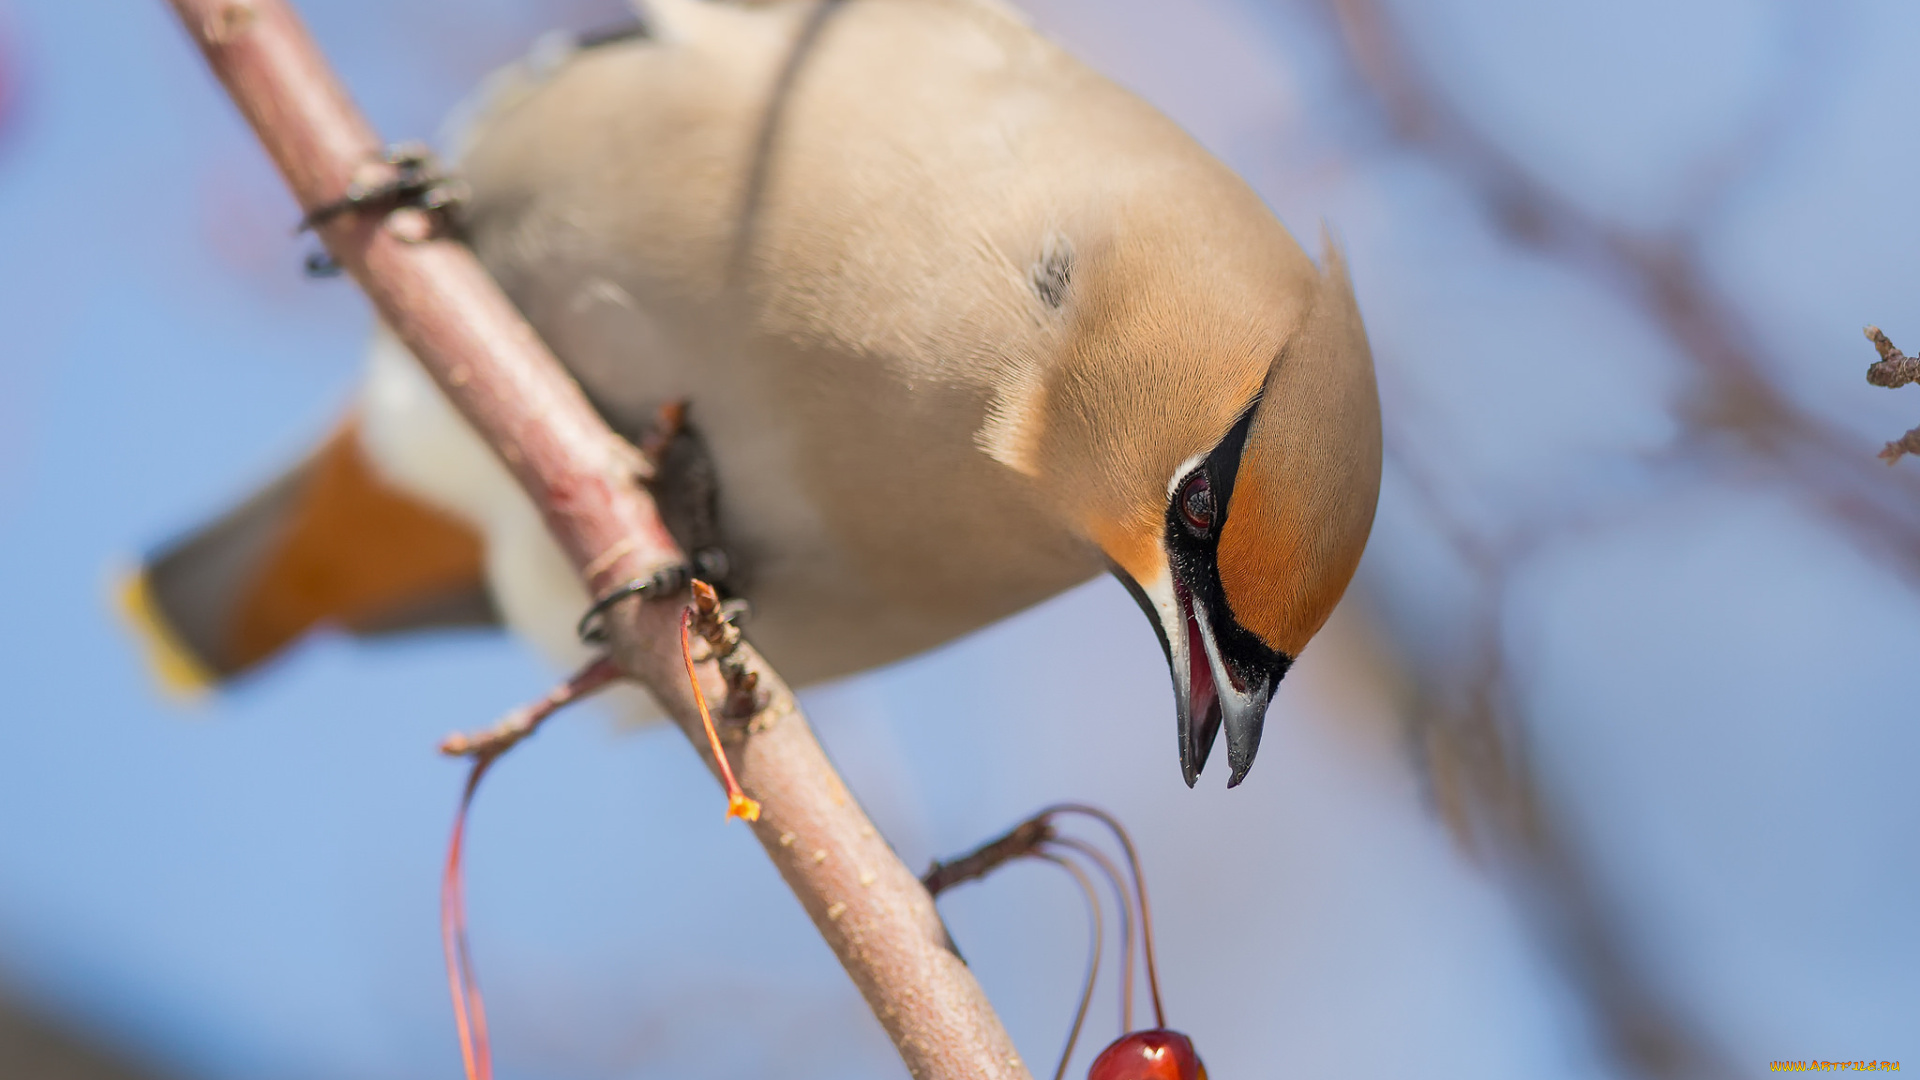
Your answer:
<point x="738" y="805"/>
<point x="1093" y="961"/>
<point x="1140" y="891"/>
<point x="1120" y="893"/>
<point x="469" y="1010"/>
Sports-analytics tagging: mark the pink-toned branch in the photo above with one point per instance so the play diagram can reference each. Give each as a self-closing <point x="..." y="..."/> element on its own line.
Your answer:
<point x="871" y="909"/>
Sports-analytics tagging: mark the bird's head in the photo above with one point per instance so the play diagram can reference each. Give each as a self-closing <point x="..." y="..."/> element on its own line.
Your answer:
<point x="1210" y="421"/>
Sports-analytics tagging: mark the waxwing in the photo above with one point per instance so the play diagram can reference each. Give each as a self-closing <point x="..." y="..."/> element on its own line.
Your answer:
<point x="956" y="324"/>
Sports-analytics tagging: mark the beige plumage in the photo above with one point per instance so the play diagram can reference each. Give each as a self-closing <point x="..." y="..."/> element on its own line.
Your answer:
<point x="960" y="323"/>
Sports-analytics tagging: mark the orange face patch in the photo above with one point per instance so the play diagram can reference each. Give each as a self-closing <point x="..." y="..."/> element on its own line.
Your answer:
<point x="1309" y="477"/>
<point x="1287" y="554"/>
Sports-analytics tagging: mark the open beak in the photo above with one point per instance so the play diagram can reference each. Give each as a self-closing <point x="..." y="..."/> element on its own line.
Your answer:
<point x="1210" y="690"/>
<point x="1217" y="692"/>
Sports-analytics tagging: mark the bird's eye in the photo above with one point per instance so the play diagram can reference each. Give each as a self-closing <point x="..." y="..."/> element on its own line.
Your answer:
<point x="1196" y="503"/>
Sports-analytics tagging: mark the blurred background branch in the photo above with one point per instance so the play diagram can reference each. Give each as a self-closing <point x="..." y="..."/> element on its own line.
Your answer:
<point x="33" y="1046"/>
<point x="1734" y="414"/>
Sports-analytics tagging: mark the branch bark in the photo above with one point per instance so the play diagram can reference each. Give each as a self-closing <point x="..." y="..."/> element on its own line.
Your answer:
<point x="872" y="911"/>
<point x="1893" y="370"/>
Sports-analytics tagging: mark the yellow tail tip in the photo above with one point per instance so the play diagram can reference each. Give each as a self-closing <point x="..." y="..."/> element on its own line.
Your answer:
<point x="178" y="672"/>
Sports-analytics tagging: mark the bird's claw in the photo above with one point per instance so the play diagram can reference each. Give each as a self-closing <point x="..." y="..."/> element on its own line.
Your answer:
<point x="410" y="177"/>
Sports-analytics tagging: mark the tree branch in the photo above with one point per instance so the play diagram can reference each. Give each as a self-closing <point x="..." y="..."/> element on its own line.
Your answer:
<point x="1893" y="370"/>
<point x="435" y="295"/>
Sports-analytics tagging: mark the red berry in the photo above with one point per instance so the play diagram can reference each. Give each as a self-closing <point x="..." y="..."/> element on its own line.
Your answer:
<point x="1158" y="1054"/>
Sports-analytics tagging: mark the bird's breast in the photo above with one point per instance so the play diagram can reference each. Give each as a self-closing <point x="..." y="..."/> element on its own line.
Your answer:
<point x="862" y="518"/>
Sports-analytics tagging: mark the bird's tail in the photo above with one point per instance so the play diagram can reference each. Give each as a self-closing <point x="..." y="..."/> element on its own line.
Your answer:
<point x="329" y="543"/>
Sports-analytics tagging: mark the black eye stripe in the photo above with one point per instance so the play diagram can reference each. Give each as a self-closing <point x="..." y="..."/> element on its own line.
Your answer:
<point x="1213" y="478"/>
<point x="1193" y="557"/>
<point x="1224" y="463"/>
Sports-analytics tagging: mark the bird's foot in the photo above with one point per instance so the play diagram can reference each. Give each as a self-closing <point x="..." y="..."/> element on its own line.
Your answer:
<point x="685" y="485"/>
<point x="665" y="582"/>
<point x="668" y="422"/>
<point x="406" y="177"/>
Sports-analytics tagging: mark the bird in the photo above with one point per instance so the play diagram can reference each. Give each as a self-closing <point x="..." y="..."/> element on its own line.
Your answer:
<point x="937" y="323"/>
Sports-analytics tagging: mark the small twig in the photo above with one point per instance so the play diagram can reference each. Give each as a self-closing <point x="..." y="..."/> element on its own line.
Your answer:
<point x="1037" y="838"/>
<point x="469" y="1010"/>
<point x="1905" y="444"/>
<point x="1019" y="842"/>
<point x="1894" y="369"/>
<point x="527" y="719"/>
